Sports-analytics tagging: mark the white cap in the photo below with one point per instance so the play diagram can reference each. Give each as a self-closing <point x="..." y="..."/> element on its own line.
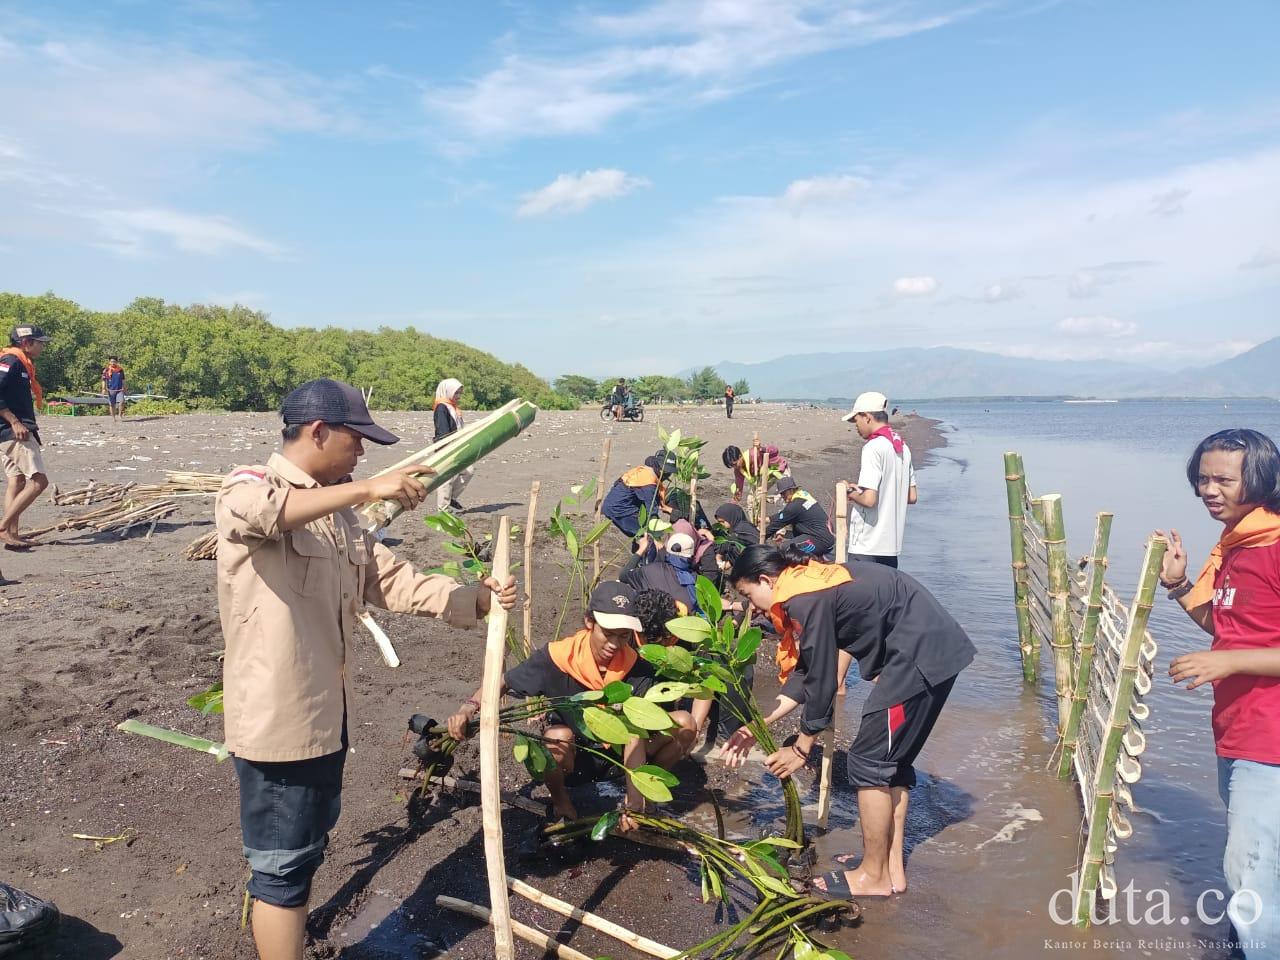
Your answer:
<point x="869" y="402"/>
<point x="681" y="544"/>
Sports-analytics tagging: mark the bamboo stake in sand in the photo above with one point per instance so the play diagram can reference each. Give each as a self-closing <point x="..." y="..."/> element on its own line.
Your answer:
<point x="536" y="937"/>
<point x="829" y="735"/>
<point x="693" y="501"/>
<point x="528" y="566"/>
<point x="600" y="478"/>
<point x="633" y="940"/>
<point x="760" y="460"/>
<point x="490" y="786"/>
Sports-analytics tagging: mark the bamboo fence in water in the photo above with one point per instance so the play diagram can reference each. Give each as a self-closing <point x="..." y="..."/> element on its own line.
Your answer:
<point x="1102" y="661"/>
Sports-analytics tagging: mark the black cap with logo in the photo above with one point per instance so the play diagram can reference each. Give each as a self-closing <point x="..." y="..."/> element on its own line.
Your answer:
<point x="613" y="606"/>
<point x="27" y="331"/>
<point x="335" y="403"/>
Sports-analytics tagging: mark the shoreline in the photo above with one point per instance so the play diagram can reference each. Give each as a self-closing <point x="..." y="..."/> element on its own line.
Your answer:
<point x="106" y="629"/>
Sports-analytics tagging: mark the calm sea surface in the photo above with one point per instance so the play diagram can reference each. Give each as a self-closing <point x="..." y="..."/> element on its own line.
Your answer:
<point x="994" y="835"/>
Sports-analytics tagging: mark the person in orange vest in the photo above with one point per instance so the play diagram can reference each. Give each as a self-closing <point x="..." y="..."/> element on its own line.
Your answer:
<point x="603" y="651"/>
<point x="643" y="486"/>
<point x="904" y="642"/>
<point x="20" y="396"/>
<point x="113" y="387"/>
<point x="728" y="400"/>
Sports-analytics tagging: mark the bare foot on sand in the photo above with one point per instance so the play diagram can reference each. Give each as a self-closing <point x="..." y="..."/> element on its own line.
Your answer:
<point x="897" y="871"/>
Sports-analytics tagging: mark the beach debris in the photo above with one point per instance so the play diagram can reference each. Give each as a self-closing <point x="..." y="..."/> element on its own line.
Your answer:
<point x="128" y="836"/>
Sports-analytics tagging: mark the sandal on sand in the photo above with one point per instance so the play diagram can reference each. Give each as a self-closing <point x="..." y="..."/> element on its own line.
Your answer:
<point x="837" y="888"/>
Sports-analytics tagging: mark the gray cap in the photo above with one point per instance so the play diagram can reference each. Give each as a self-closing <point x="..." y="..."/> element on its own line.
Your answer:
<point x="784" y="484"/>
<point x="336" y="403"/>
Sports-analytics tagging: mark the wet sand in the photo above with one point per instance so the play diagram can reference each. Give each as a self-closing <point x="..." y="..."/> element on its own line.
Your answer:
<point x="98" y="629"/>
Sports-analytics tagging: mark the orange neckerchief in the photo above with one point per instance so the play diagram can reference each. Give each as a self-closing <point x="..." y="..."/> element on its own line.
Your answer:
<point x="794" y="581"/>
<point x="573" y="656"/>
<point x="450" y="403"/>
<point x="1259" y="528"/>
<point x="36" y="390"/>
<point x="111" y="368"/>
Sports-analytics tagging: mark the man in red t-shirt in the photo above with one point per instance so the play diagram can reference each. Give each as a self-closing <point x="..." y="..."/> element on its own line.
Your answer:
<point x="1236" y="599"/>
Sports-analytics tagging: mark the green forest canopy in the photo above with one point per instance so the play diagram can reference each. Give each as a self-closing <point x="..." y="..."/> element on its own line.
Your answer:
<point x="234" y="358"/>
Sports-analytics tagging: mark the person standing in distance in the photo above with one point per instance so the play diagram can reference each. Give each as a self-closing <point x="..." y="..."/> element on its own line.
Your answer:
<point x="886" y="484"/>
<point x="728" y="400"/>
<point x="447" y="418"/>
<point x="294" y="568"/>
<point x="113" y="387"/>
<point x="20" y="396"/>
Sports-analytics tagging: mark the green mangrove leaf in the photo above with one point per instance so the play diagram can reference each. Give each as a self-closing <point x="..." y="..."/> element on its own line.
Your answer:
<point x="667" y="691"/>
<point x="804" y="950"/>
<point x="679" y="659"/>
<point x="646" y="714"/>
<point x="654" y="653"/>
<point x="208" y="701"/>
<point x="587" y="696"/>
<point x="606" y="726"/>
<point x="521" y="748"/>
<point x="834" y="955"/>
<point x="666" y="776"/>
<point x="708" y="599"/>
<point x="571" y="542"/>
<point x="715" y="685"/>
<point x="604" y="826"/>
<point x="747" y="645"/>
<point x="540" y="760"/>
<point x="446" y="523"/>
<point x="778" y="842"/>
<point x="650" y="786"/>
<point x="598" y="531"/>
<point x="617" y="692"/>
<point x="717" y="885"/>
<point x="777" y="885"/>
<point x="690" y="629"/>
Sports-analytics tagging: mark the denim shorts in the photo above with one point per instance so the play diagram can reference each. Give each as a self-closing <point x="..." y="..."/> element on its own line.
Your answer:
<point x="286" y="813"/>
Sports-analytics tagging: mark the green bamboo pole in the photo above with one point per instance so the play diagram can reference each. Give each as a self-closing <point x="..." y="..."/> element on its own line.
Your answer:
<point x="175" y="737"/>
<point x="1037" y="510"/>
<point x="1016" y="488"/>
<point x="1088" y="639"/>
<point x="1105" y="774"/>
<point x="1055" y="539"/>
<point x="452" y="460"/>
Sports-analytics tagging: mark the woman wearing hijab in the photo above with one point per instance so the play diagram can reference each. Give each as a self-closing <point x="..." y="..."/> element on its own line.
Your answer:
<point x="448" y="419"/>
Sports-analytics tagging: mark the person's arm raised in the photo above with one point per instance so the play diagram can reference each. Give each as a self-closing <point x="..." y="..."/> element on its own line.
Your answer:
<point x="305" y="505"/>
<point x="1173" y="576"/>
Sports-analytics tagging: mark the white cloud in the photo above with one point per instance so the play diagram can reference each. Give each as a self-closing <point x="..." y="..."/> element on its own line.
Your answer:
<point x="1263" y="258"/>
<point x="1169" y="203"/>
<point x="574" y="192"/>
<point x="1097" y="326"/>
<point x="1002" y="292"/>
<point x="668" y="54"/>
<point x="1083" y="285"/>
<point x="128" y="232"/>
<point x="915" y="286"/>
<point x="819" y="190"/>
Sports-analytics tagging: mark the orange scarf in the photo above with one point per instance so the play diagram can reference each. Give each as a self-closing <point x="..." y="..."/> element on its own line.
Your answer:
<point x="794" y="581"/>
<point x="640" y="477"/>
<point x="447" y="403"/>
<point x="37" y="391"/>
<point x="573" y="656"/>
<point x="1259" y="528"/>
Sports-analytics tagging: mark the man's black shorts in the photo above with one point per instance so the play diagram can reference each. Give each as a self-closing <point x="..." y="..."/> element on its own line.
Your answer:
<point x="286" y="813"/>
<point x="888" y="741"/>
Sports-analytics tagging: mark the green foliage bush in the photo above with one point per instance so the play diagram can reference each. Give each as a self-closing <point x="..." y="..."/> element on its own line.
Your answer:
<point x="233" y="358"/>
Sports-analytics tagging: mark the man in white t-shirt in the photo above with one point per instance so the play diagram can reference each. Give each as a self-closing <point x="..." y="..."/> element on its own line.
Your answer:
<point x="886" y="484"/>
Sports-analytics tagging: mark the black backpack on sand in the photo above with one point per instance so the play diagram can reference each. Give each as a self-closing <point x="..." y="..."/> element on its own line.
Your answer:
<point x="28" y="925"/>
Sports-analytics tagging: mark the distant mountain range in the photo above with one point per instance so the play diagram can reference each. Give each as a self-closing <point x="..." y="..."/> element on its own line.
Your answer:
<point x="936" y="372"/>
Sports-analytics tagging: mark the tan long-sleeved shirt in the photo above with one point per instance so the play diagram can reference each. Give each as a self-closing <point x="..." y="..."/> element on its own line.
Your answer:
<point x="288" y="602"/>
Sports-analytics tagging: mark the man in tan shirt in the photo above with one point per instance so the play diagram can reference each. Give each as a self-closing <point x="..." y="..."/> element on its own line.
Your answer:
<point x="294" y="567"/>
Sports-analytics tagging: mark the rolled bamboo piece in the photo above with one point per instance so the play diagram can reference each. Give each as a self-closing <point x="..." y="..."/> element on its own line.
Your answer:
<point x="490" y="785"/>
<point x="1016" y="489"/>
<point x="588" y="919"/>
<point x="175" y="737"/>
<point x="599" y="505"/>
<point x="1088" y="640"/>
<point x="828" y="764"/>
<point x="384" y="642"/>
<point x="1104" y="773"/>
<point x="447" y="460"/>
<point x="529" y="934"/>
<point x="693" y="501"/>
<point x="842" y="522"/>
<point x="1059" y="604"/>
<point x="529" y="527"/>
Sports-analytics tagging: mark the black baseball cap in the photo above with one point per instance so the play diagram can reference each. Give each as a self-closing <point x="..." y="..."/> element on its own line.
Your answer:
<point x="784" y="484"/>
<point x="613" y="606"/>
<point x="335" y="403"/>
<point x="27" y="331"/>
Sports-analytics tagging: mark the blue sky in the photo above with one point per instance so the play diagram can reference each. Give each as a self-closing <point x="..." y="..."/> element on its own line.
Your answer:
<point x="656" y="185"/>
